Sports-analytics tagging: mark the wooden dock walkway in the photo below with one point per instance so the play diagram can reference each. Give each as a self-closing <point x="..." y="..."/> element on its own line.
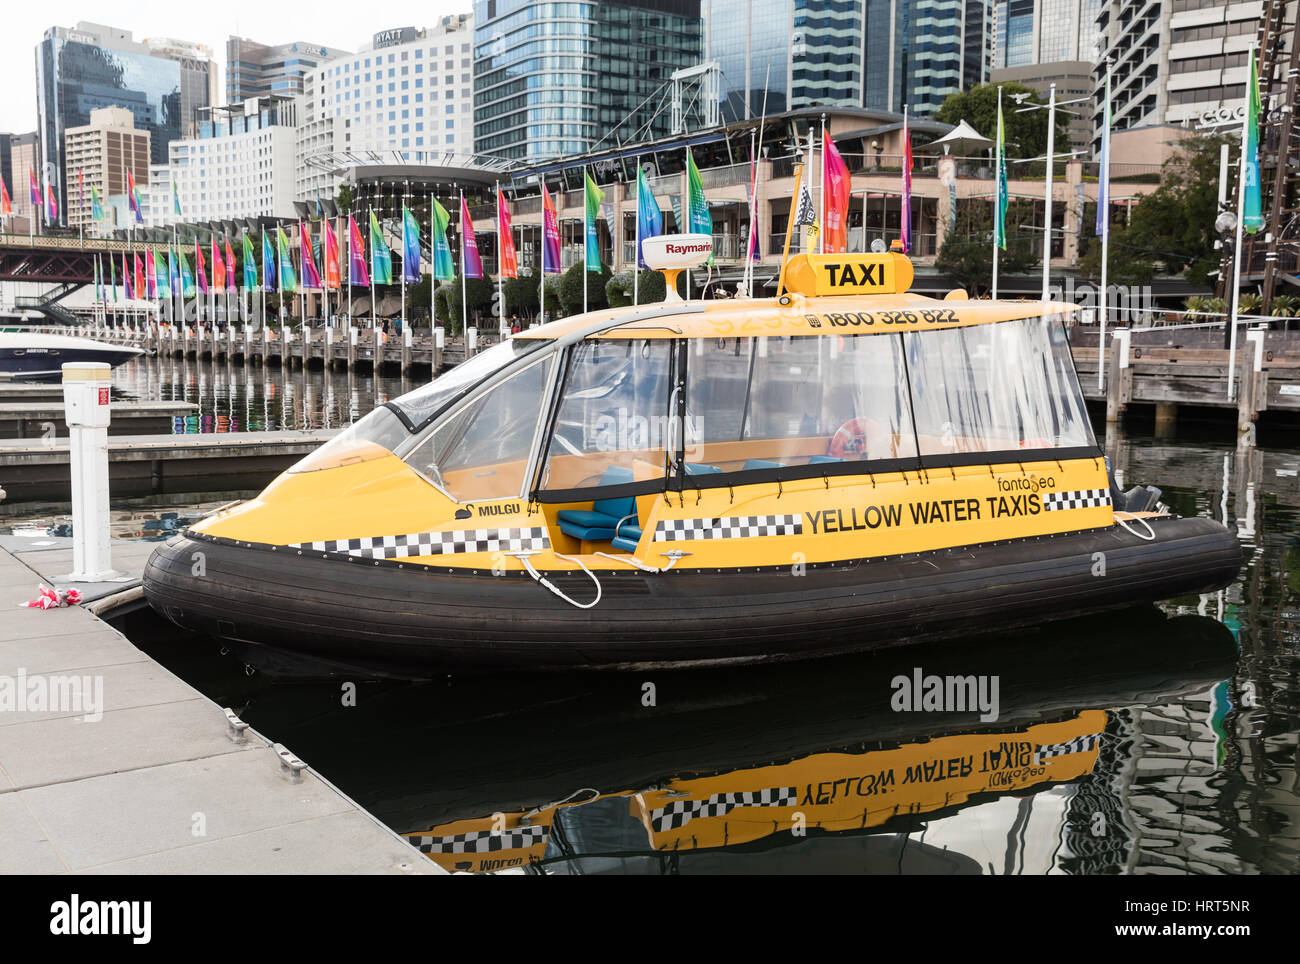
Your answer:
<point x="148" y="778"/>
<point x="363" y="349"/>
<point x="138" y="465"/>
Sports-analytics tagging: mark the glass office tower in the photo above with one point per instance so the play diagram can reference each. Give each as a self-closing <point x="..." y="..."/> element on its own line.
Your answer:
<point x="750" y="40"/>
<point x="87" y="67"/>
<point x="552" y="79"/>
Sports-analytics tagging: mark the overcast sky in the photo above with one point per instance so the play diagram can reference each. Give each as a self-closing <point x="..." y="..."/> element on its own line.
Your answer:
<point x="331" y="23"/>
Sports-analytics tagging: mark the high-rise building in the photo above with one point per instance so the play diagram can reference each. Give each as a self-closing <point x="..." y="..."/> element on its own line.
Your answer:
<point x="1044" y="31"/>
<point x="261" y="70"/>
<point x="917" y="52"/>
<point x="407" y="94"/>
<point x="552" y="79"/>
<point x="102" y="153"/>
<point x="241" y="164"/>
<point x="1173" y="61"/>
<point x="164" y="83"/>
<point x="750" y="40"/>
<point x="24" y="157"/>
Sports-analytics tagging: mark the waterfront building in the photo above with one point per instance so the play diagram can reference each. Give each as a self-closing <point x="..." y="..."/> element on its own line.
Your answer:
<point x="261" y="70"/>
<point x="156" y="198"/>
<point x="406" y="94"/>
<point x="164" y="83"/>
<point x="241" y="164"/>
<point x="103" y="152"/>
<point x="552" y="79"/>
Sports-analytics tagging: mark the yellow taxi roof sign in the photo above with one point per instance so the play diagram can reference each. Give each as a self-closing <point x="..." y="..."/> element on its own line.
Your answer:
<point x="818" y="275"/>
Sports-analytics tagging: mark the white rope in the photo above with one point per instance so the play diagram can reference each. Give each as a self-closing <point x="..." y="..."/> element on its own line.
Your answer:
<point x="1119" y="518"/>
<point x="538" y="577"/>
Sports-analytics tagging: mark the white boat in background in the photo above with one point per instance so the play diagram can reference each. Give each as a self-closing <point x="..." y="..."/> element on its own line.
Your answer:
<point x="30" y="355"/>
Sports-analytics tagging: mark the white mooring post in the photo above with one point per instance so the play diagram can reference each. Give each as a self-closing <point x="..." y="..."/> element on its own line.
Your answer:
<point x="86" y="392"/>
<point x="471" y="341"/>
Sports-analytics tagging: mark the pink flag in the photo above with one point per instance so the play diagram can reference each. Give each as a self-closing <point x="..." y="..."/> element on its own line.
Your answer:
<point x="550" y="234"/>
<point x="835" y="187"/>
<point x="509" y="264"/>
<point x="470" y="262"/>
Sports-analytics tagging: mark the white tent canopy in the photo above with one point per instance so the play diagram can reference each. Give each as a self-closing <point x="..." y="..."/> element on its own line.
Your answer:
<point x="963" y="137"/>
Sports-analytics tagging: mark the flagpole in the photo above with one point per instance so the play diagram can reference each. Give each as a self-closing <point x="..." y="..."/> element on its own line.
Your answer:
<point x="1047" y="191"/>
<point x="402" y="216"/>
<point x="464" y="274"/>
<point x="636" y="246"/>
<point x="997" y="198"/>
<point x="586" y="244"/>
<point x="821" y="235"/>
<point x="1241" y="218"/>
<point x="279" y="281"/>
<point x="541" y="287"/>
<point x="789" y="229"/>
<point x="1103" y="215"/>
<point x="501" y="293"/>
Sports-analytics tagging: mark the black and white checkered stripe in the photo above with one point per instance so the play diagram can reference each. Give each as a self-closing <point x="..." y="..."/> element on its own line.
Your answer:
<point x="479" y="841"/>
<point x="1080" y="744"/>
<point x="728" y="527"/>
<point x="1077" y="499"/>
<point x="435" y="543"/>
<point x="678" y="813"/>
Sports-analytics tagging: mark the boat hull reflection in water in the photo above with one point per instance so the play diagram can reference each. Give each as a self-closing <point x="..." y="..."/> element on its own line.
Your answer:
<point x="756" y="798"/>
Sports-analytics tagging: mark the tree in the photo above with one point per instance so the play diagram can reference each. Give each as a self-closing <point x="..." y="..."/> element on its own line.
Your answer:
<point x="478" y="295"/>
<point x="650" y="288"/>
<point x="554" y="306"/>
<point x="521" y="294"/>
<point x="571" y="288"/>
<point x="1172" y="228"/>
<point x="442" y="306"/>
<point x="1026" y="134"/>
<point x="967" y="252"/>
<point x="346" y="195"/>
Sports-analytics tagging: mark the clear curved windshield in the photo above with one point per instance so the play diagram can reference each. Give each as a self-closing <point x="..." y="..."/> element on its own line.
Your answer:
<point x="372" y="437"/>
<point x="419" y="406"/>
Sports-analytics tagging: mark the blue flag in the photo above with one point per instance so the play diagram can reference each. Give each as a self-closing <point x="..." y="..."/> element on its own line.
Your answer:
<point x="268" y="262"/>
<point x="649" y="219"/>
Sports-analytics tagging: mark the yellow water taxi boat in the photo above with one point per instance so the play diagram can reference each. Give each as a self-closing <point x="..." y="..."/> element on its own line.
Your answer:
<point x="842" y="467"/>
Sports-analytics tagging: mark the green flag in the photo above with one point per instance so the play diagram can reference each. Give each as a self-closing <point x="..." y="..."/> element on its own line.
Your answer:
<point x="288" y="278"/>
<point x="1252" y="203"/>
<point x="187" y="276"/>
<point x="381" y="272"/>
<point x="443" y="268"/>
<point x="594" y="196"/>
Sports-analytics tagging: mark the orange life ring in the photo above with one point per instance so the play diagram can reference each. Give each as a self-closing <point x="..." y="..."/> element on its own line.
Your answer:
<point x="851" y="438"/>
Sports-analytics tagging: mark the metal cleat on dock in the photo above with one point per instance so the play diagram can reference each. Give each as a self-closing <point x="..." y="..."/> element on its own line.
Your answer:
<point x="238" y="728"/>
<point x="290" y="766"/>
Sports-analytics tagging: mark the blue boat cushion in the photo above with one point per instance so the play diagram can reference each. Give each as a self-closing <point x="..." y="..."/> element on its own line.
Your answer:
<point x="627" y="545"/>
<point x="818" y="459"/>
<point x="587" y="519"/>
<point x="598" y="523"/>
<point x="589" y="533"/>
<point x="696" y="468"/>
<point x="751" y="464"/>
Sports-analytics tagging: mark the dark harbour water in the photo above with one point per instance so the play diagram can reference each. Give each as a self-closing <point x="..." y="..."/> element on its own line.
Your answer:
<point x="1156" y="740"/>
